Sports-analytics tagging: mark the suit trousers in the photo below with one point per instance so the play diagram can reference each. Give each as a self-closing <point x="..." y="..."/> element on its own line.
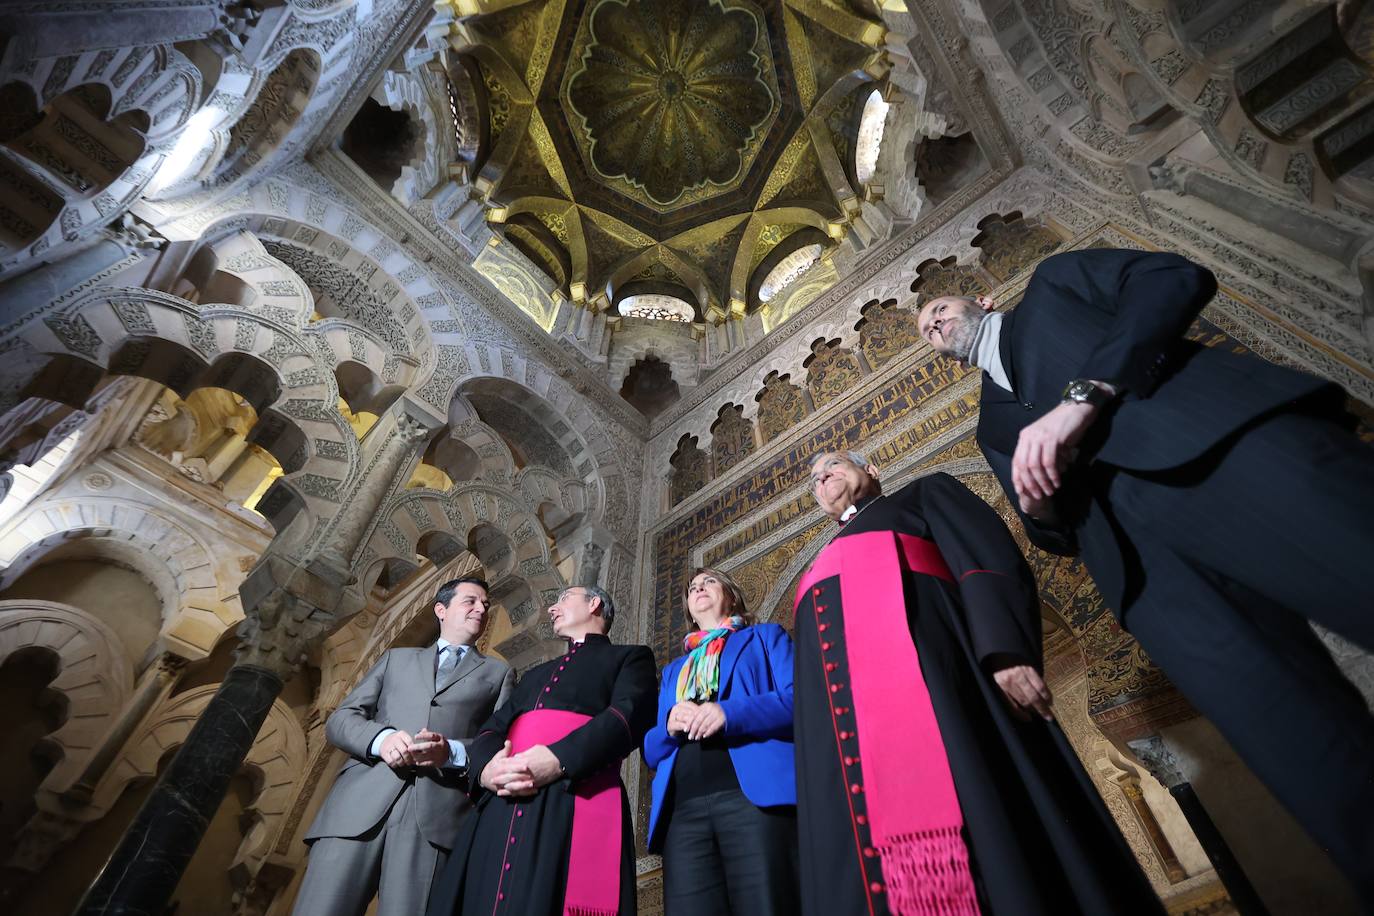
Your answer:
<point x="722" y="854"/>
<point x="392" y="861"/>
<point x="1237" y="552"/>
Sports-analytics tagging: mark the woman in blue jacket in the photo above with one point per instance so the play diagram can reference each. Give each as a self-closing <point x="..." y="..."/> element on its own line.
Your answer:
<point x="725" y="788"/>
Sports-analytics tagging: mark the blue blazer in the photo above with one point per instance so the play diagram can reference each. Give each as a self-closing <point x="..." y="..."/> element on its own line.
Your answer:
<point x="756" y="695"/>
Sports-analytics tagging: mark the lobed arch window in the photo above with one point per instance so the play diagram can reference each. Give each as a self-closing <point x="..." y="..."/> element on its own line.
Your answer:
<point x="870" y="140"/>
<point x="786" y="271"/>
<point x="658" y="307"/>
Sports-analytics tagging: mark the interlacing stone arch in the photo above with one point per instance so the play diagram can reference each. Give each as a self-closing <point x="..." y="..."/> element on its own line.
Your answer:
<point x="480" y="517"/>
<point x="170" y="340"/>
<point x="93" y="676"/>
<point x="159" y="86"/>
<point x="199" y="591"/>
<point x="275" y="762"/>
<point x="592" y="450"/>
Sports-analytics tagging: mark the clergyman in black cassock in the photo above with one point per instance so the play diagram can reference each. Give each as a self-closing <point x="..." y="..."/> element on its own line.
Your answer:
<point x="519" y="853"/>
<point x="1038" y="838"/>
<point x="1217" y="499"/>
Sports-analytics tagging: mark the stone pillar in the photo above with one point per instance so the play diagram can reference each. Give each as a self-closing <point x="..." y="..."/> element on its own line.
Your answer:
<point x="384" y="466"/>
<point x="291" y="605"/>
<point x="1164" y="766"/>
<point x="43" y="284"/>
<point x="53" y="33"/>
<point x="152" y="688"/>
<point x="38" y="287"/>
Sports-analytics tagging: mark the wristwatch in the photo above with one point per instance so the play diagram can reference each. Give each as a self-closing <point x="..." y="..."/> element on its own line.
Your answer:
<point x="1083" y="391"/>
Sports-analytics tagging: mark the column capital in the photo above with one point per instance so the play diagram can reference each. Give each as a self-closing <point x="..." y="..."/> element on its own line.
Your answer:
<point x="1162" y="762"/>
<point x="288" y="610"/>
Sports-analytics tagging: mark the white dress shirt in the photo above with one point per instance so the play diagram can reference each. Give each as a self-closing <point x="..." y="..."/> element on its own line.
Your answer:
<point x="457" y="754"/>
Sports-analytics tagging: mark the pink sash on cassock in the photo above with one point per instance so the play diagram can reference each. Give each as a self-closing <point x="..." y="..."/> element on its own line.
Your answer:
<point x="594" y="860"/>
<point x="912" y="805"/>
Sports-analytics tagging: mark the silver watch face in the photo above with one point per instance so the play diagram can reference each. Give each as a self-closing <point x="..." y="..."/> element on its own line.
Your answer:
<point x="1079" y="390"/>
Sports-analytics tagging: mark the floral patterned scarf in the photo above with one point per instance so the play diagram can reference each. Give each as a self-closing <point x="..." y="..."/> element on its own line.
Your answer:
<point x="699" y="679"/>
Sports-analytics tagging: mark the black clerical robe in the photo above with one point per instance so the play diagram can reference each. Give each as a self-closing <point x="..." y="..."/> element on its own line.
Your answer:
<point x="1039" y="838"/>
<point x="513" y="855"/>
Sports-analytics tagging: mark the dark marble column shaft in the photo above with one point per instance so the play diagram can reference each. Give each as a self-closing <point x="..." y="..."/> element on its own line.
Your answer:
<point x="143" y="871"/>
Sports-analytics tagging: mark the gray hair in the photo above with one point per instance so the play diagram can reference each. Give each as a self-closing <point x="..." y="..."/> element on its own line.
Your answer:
<point x="856" y="459"/>
<point x="607" y="605"/>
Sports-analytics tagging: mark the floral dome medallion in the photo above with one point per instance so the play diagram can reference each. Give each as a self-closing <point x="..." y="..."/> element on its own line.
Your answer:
<point x="670" y="102"/>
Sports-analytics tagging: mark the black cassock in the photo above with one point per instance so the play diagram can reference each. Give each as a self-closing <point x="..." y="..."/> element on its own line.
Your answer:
<point x="1040" y="839"/>
<point x="616" y="685"/>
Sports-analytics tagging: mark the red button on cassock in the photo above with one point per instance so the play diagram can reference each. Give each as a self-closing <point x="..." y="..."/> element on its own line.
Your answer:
<point x="507" y="866"/>
<point x="876" y="888"/>
<point x="868" y="851"/>
<point x="834" y="688"/>
<point x="862" y="819"/>
<point x="815" y="593"/>
<point x="854" y="789"/>
<point x="519" y="813"/>
<point x="825" y="647"/>
<point x="844" y="736"/>
<point x="850" y="761"/>
<point x="512" y="839"/>
<point x="822" y="627"/>
<point x="548" y="689"/>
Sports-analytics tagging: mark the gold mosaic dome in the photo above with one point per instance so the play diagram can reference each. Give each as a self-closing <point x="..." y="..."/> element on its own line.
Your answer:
<point x="669" y="103"/>
<point x="667" y="147"/>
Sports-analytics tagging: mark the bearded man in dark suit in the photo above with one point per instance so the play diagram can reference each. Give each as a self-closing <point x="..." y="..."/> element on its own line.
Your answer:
<point x="1218" y="500"/>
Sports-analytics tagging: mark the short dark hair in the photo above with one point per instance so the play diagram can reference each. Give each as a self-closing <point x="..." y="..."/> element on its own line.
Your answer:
<point x="446" y="591"/>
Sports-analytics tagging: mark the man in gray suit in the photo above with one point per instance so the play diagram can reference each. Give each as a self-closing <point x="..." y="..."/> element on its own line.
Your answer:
<point x="393" y="813"/>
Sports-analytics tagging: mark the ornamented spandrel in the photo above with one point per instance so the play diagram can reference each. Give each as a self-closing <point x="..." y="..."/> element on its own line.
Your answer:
<point x="691" y="469"/>
<point x="732" y="437"/>
<point x="948" y="278"/>
<point x="781" y="404"/>
<point x="886" y="331"/>
<point x="1011" y="244"/>
<point x="831" y="371"/>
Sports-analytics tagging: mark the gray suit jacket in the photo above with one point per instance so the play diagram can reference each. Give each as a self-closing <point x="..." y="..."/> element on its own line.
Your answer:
<point x="399" y="692"/>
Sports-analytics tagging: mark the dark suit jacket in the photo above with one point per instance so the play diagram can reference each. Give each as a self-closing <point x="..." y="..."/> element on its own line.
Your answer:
<point x="1119" y="316"/>
<point x="399" y="692"/>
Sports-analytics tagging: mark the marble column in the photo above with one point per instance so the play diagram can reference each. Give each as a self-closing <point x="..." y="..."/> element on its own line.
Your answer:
<point x="144" y="869"/>
<point x="1164" y="766"/>
<point x="291" y="603"/>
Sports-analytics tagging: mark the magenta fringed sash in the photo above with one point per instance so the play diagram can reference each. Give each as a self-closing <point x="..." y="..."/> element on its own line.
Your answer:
<point x="913" y="810"/>
<point x="594" y="860"/>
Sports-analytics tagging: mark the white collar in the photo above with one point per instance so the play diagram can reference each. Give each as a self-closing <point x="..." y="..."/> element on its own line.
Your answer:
<point x="444" y="644"/>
